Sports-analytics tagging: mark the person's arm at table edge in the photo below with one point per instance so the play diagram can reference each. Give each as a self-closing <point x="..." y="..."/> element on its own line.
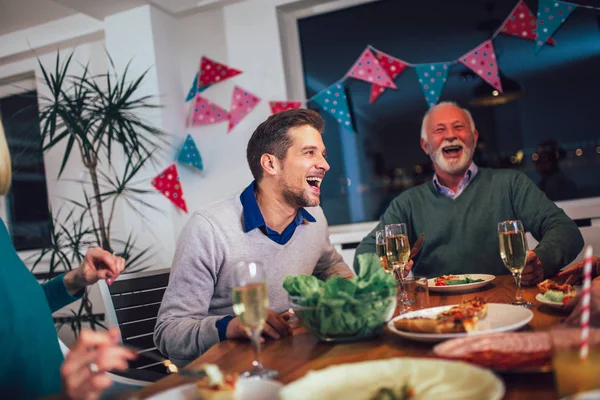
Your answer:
<point x="559" y="237"/>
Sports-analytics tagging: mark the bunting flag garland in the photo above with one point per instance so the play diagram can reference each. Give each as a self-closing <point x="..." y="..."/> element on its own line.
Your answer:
<point x="279" y="106"/>
<point x="551" y="15"/>
<point x="205" y="112"/>
<point x="392" y="66"/>
<point x="242" y="102"/>
<point x="168" y="183"/>
<point x="195" y="89"/>
<point x="189" y="153"/>
<point x="482" y="60"/>
<point x="334" y="101"/>
<point x="214" y="72"/>
<point x="432" y="78"/>
<point x="522" y="23"/>
<point x="367" y="68"/>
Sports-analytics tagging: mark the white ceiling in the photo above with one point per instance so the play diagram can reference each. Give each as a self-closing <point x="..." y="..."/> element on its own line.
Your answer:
<point x="22" y="14"/>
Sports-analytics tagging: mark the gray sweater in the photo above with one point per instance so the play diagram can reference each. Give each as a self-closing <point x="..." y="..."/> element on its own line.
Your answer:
<point x="200" y="284"/>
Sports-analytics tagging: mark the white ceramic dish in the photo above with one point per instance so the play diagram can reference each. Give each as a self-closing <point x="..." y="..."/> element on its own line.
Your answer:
<point x="499" y="318"/>
<point x="461" y="288"/>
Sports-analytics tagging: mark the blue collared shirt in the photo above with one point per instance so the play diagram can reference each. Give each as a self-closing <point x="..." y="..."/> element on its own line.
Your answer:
<point x="469" y="175"/>
<point x="253" y="218"/>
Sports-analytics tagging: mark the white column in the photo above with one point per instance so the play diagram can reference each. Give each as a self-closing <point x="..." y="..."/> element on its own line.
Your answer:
<point x="143" y="38"/>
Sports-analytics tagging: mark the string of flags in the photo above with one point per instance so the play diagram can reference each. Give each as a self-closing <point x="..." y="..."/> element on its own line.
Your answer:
<point x="373" y="66"/>
<point x="380" y="69"/>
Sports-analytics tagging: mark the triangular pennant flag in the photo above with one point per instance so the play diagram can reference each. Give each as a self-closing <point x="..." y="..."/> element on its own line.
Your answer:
<point x="522" y="23"/>
<point x="334" y="101"/>
<point x="551" y="15"/>
<point x="168" y="183"/>
<point x="279" y="106"/>
<point x="206" y="112"/>
<point x="367" y="68"/>
<point x="392" y="66"/>
<point x="194" y="90"/>
<point x="432" y="78"/>
<point x="242" y="102"/>
<point x="482" y="60"/>
<point x="214" y="72"/>
<point x="189" y="153"/>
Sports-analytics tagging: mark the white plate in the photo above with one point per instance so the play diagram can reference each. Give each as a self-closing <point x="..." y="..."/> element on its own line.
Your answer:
<point x="429" y="378"/>
<point x="540" y="297"/>
<point x="593" y="395"/>
<point x="499" y="318"/>
<point x="461" y="288"/>
<point x="246" y="389"/>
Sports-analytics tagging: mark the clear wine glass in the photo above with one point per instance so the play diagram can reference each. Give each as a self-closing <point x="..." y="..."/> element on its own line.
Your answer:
<point x="250" y="304"/>
<point x="380" y="249"/>
<point x="513" y="251"/>
<point x="398" y="254"/>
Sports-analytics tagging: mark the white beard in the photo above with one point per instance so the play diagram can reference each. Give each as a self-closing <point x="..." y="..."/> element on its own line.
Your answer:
<point x="455" y="165"/>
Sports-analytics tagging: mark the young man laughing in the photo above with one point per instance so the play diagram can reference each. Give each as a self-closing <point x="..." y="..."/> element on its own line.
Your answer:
<point x="276" y="220"/>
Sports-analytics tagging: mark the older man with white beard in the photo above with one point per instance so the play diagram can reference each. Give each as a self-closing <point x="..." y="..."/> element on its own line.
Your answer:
<point x="459" y="210"/>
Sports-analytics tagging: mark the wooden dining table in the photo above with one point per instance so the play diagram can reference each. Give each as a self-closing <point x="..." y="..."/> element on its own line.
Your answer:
<point x="293" y="356"/>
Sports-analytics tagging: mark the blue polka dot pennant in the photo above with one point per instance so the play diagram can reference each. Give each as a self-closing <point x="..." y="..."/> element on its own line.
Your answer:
<point x="189" y="154"/>
<point x="432" y="78"/>
<point x="334" y="101"/>
<point x="194" y="90"/>
<point x="551" y="14"/>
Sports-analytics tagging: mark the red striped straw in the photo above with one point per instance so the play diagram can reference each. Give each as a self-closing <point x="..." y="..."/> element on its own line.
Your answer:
<point x="584" y="345"/>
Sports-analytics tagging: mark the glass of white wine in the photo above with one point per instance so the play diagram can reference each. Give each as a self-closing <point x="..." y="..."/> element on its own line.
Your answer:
<point x="250" y="304"/>
<point x="380" y="249"/>
<point x="513" y="251"/>
<point x="398" y="254"/>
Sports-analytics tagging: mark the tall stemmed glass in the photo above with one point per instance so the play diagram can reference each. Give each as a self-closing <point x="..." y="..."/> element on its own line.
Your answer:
<point x="380" y="249"/>
<point x="398" y="254"/>
<point x="250" y="304"/>
<point x="513" y="251"/>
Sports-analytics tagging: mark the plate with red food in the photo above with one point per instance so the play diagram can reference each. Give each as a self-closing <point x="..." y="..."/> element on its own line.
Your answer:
<point x="554" y="294"/>
<point x="459" y="283"/>
<point x="504" y="352"/>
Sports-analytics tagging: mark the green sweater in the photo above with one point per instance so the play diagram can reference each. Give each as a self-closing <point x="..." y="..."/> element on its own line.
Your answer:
<point x="31" y="357"/>
<point x="461" y="235"/>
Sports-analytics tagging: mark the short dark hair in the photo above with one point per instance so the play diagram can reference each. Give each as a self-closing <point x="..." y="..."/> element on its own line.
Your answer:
<point x="271" y="136"/>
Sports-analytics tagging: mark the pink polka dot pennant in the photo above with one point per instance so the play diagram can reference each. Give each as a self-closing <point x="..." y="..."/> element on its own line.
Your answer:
<point x="212" y="71"/>
<point x="551" y="14"/>
<point x="482" y="60"/>
<point x="205" y="112"/>
<point x="169" y="184"/>
<point x="242" y="102"/>
<point x="334" y="101"/>
<point x="432" y="78"/>
<point x="392" y="66"/>
<point x="279" y="106"/>
<point x="522" y="23"/>
<point x="367" y="68"/>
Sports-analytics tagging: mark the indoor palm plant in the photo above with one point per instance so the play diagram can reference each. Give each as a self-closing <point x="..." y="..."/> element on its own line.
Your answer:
<point x="94" y="115"/>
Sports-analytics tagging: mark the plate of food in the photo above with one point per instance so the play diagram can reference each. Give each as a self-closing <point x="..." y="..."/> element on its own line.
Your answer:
<point x="554" y="294"/>
<point x="458" y="283"/>
<point x="504" y="352"/>
<point x="397" y="378"/>
<point x="471" y="317"/>
<point x="214" y="385"/>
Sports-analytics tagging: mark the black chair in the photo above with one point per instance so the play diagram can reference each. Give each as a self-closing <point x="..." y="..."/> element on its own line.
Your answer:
<point x="132" y="304"/>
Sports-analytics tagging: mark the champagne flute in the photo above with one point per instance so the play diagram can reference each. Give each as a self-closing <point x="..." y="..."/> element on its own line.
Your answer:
<point x="398" y="254"/>
<point x="250" y="304"/>
<point x="513" y="251"/>
<point x="380" y="249"/>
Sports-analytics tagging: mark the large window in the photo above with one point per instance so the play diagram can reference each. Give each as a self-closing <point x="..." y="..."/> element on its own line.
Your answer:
<point x="548" y="130"/>
<point x="27" y="201"/>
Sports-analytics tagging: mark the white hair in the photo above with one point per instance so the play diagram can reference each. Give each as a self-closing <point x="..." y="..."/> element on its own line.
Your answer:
<point x="5" y="167"/>
<point x="444" y="104"/>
